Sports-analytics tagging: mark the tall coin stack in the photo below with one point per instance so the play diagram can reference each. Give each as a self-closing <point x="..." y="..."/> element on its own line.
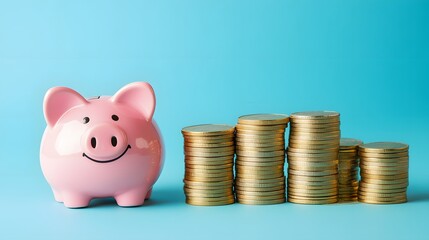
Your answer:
<point x="209" y="160"/>
<point x="313" y="157"/>
<point x="348" y="167"/>
<point x="384" y="172"/>
<point x="260" y="149"/>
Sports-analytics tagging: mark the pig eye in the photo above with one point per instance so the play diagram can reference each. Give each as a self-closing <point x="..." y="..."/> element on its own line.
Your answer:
<point x="85" y="120"/>
<point x="115" y="117"/>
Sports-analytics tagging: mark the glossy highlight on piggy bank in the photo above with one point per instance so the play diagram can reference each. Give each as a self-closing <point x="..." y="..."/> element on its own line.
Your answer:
<point x="101" y="147"/>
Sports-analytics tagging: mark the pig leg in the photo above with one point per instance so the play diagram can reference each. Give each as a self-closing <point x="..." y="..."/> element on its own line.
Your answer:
<point x="131" y="198"/>
<point x="148" y="194"/>
<point x="75" y="200"/>
<point x="57" y="195"/>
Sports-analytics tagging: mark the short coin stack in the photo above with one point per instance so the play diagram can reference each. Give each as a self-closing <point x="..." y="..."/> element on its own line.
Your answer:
<point x="348" y="168"/>
<point x="384" y="172"/>
<point x="313" y="157"/>
<point x="260" y="148"/>
<point x="209" y="160"/>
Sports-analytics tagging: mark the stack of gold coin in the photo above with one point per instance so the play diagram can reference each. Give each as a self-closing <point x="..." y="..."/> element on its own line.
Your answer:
<point x="313" y="157"/>
<point x="348" y="168"/>
<point x="260" y="148"/>
<point x="384" y="172"/>
<point x="209" y="160"/>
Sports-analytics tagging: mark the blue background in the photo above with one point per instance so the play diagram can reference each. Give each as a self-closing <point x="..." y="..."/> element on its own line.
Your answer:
<point x="210" y="62"/>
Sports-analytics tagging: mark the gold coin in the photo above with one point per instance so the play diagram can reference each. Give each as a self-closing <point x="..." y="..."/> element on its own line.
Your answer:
<point x="311" y="142"/>
<point x="367" y="176"/>
<point x="381" y="195"/>
<point x="315" y="115"/>
<point x="313" y="174"/>
<point x="260" y="127"/>
<point x="314" y="124"/>
<point x="315" y="136"/>
<point x="312" y="147"/>
<point x="311" y="168"/>
<point x="311" y="193"/>
<point x="264" y="202"/>
<point x="383" y="201"/>
<point x="208" y="179"/>
<point x="244" y="170"/>
<point x="260" y="154"/>
<point x="385" y="182"/>
<point x="246" y="138"/>
<point x="208" y="145"/>
<point x="260" y="193"/>
<point x="382" y="156"/>
<point x="258" y="141"/>
<point x="255" y="133"/>
<point x="207" y="194"/>
<point x="310" y="160"/>
<point x="260" y="159"/>
<point x="198" y="184"/>
<point x="333" y="163"/>
<point x="260" y="198"/>
<point x="208" y="130"/>
<point x="209" y="165"/>
<point x="225" y="167"/>
<point x="209" y="139"/>
<point x="247" y="176"/>
<point x="384" y="169"/>
<point x="380" y="186"/>
<point x="312" y="184"/>
<point x="384" y="147"/>
<point x="264" y="119"/>
<point x="209" y="171"/>
<point x="262" y="145"/>
<point x="209" y="150"/>
<point x="382" y="191"/>
<point x="209" y="154"/>
<point x="260" y="189"/>
<point x="315" y="121"/>
<point x="277" y="167"/>
<point x="260" y="186"/>
<point x="200" y="187"/>
<point x="273" y="180"/>
<point x="312" y="178"/>
<point x="403" y="163"/>
<point x="332" y="131"/>
<point x="388" y="173"/>
<point x="261" y="149"/>
<point x="385" y="160"/>
<point x="210" y="201"/>
<point x="311" y="201"/>
<point x="256" y="164"/>
<point x="209" y="159"/>
<point x="317" y="151"/>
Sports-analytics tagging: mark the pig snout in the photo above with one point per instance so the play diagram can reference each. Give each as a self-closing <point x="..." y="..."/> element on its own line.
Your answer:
<point x="104" y="143"/>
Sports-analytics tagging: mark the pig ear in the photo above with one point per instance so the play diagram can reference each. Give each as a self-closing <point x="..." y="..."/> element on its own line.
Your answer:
<point x="59" y="100"/>
<point x="138" y="95"/>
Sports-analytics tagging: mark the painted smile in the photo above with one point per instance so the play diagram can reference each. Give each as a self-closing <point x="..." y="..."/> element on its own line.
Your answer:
<point x="107" y="161"/>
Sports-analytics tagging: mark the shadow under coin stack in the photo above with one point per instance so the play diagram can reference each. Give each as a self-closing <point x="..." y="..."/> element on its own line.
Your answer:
<point x="209" y="160"/>
<point x="314" y="142"/>
<point x="384" y="172"/>
<point x="260" y="148"/>
<point x="348" y="167"/>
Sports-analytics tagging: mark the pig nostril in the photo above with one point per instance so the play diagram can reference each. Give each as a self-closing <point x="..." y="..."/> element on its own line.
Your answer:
<point x="114" y="141"/>
<point x="93" y="142"/>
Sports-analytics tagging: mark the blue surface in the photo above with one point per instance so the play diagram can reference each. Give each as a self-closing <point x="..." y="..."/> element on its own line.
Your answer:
<point x="210" y="62"/>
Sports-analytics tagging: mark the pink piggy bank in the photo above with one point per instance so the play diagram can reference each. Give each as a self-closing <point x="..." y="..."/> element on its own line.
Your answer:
<point x="101" y="147"/>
